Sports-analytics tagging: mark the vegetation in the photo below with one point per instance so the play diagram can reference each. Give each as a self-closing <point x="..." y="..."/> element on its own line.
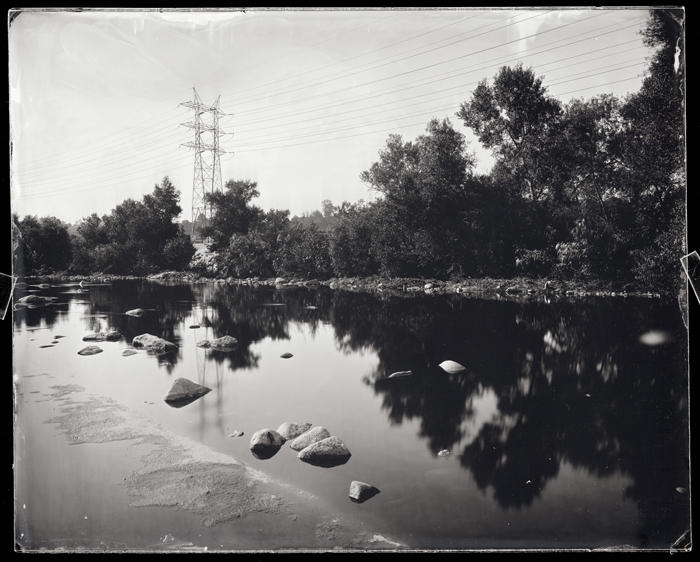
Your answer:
<point x="591" y="189"/>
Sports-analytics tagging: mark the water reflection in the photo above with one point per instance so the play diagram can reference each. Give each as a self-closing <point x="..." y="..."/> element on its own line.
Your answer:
<point x="570" y="381"/>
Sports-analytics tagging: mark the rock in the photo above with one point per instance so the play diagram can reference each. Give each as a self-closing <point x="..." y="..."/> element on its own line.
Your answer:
<point x="35" y="299"/>
<point x="443" y="453"/>
<point x="290" y="430"/>
<point x="400" y="374"/>
<point x="452" y="367"/>
<point x="236" y="434"/>
<point x="280" y="280"/>
<point x="194" y="327"/>
<point x="265" y="443"/>
<point x="326" y="453"/>
<point x="90" y="350"/>
<point x="136" y="312"/>
<point x="428" y="286"/>
<point x="154" y="343"/>
<point x="204" y="343"/>
<point x="93" y="337"/>
<point x="309" y="438"/>
<point x="361" y="492"/>
<point x="184" y="391"/>
<point x="113" y="335"/>
<point x="312" y="283"/>
<point x="286" y="355"/>
<point x="128" y="352"/>
<point x="224" y="343"/>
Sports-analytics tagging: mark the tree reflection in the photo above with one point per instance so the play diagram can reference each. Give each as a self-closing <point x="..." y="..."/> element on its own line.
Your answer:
<point x="572" y="382"/>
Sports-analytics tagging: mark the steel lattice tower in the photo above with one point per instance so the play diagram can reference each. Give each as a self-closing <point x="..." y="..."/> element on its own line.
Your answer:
<point x="207" y="171"/>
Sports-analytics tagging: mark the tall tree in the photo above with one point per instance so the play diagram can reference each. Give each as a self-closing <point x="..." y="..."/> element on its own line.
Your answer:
<point x="518" y="120"/>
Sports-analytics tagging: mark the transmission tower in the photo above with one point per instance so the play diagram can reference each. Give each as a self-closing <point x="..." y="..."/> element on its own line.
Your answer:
<point x="207" y="171"/>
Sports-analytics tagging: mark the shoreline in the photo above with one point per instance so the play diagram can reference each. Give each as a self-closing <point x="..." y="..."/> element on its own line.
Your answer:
<point x="513" y="287"/>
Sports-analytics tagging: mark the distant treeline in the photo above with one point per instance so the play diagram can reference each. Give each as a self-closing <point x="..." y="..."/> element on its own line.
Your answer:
<point x="590" y="189"/>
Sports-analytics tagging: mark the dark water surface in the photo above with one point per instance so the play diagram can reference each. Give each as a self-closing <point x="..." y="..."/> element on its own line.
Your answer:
<point x="564" y="431"/>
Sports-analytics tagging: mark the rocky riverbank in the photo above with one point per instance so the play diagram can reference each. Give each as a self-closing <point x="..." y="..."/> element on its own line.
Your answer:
<point x="520" y="286"/>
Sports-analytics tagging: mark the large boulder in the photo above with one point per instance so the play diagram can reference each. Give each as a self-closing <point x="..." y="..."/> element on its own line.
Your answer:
<point x="90" y="350"/>
<point x="309" y="438"/>
<point x="184" y="391"/>
<point x="361" y="492"/>
<point x="326" y="453"/>
<point x="154" y="343"/>
<point x="290" y="430"/>
<point x="224" y="343"/>
<point x="265" y="443"/>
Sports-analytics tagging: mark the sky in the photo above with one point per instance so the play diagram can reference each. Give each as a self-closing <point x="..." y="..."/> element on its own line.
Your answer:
<point x="309" y="96"/>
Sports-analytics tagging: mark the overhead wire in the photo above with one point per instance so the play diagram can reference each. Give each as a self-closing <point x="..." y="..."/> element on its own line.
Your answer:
<point x="338" y="130"/>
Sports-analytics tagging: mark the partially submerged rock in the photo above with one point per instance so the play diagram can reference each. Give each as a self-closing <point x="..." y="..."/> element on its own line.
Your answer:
<point x="290" y="430"/>
<point x="154" y="343"/>
<point x="326" y="453"/>
<point x="452" y="367"/>
<point x="90" y="350"/>
<point x="361" y="492"/>
<point x="309" y="438"/>
<point x="286" y="355"/>
<point x="236" y="434"/>
<point x="128" y="352"/>
<point x="204" y="343"/>
<point x="400" y="374"/>
<point x="265" y="443"/>
<point x="184" y="391"/>
<point x="135" y="312"/>
<point x="35" y="299"/>
<point x="224" y="343"/>
<point x="112" y="335"/>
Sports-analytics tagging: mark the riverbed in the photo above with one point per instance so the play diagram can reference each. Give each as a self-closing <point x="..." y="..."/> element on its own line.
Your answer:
<point x="566" y="427"/>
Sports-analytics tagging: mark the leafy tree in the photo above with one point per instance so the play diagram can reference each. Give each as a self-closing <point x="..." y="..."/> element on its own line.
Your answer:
<point x="232" y="212"/>
<point x="425" y="192"/>
<point x="519" y="121"/>
<point x="44" y="244"/>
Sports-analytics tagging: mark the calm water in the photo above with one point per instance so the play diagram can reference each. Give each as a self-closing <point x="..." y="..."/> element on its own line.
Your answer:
<point x="565" y="431"/>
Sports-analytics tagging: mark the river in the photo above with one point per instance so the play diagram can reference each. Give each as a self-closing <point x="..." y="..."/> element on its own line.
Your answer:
<point x="567" y="428"/>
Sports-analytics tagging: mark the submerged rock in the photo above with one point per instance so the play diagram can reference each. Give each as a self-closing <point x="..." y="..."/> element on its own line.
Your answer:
<point x="290" y="430"/>
<point x="154" y="343"/>
<point x="184" y="391"/>
<point x="309" y="438"/>
<point x="90" y="350"/>
<point x="326" y="453"/>
<point x="265" y="443"/>
<point x="361" y="492"/>
<point x="128" y="352"/>
<point x="452" y="367"/>
<point x="136" y="312"/>
<point x="224" y="343"/>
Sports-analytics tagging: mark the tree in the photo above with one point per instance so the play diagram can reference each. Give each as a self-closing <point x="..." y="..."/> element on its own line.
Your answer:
<point x="425" y="185"/>
<point x="44" y="244"/>
<point x="232" y="212"/>
<point x="518" y="120"/>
